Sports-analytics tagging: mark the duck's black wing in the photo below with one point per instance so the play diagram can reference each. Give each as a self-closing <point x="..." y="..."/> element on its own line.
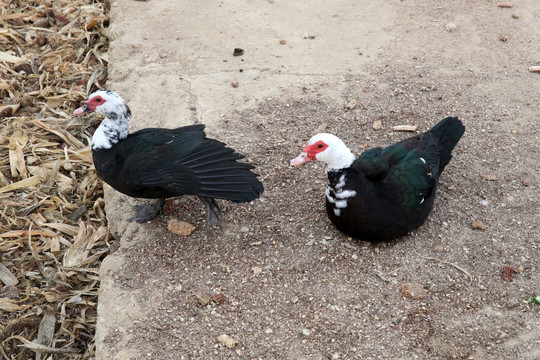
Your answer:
<point x="160" y="163"/>
<point x="408" y="170"/>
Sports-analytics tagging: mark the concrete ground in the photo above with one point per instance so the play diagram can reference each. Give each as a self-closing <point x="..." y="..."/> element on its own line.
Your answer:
<point x="279" y="282"/>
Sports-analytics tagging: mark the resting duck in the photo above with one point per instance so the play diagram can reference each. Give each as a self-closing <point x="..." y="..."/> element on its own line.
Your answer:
<point x="162" y="163"/>
<point x="384" y="193"/>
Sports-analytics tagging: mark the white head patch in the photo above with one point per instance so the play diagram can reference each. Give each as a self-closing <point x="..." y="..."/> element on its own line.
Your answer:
<point x="337" y="155"/>
<point x="115" y="126"/>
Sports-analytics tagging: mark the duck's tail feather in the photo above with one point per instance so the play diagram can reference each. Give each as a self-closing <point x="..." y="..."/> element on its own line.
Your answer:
<point x="220" y="176"/>
<point x="448" y="131"/>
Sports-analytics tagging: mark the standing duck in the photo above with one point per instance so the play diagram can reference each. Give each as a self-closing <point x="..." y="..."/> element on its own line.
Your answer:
<point x="158" y="163"/>
<point x="384" y="193"/>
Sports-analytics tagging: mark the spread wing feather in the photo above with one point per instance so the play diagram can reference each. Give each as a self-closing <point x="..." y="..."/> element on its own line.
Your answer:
<point x="172" y="162"/>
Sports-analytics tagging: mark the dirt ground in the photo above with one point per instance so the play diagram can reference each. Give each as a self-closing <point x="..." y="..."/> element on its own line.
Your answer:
<point x="285" y="284"/>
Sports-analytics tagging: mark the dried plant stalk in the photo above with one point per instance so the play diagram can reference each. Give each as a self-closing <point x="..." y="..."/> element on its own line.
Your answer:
<point x="53" y="53"/>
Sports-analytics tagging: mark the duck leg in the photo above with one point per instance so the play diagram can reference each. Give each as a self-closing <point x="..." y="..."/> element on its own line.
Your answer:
<point x="148" y="212"/>
<point x="212" y="211"/>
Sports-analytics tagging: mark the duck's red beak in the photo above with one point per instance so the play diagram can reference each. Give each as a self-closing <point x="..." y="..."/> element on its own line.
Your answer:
<point x="304" y="157"/>
<point x="300" y="159"/>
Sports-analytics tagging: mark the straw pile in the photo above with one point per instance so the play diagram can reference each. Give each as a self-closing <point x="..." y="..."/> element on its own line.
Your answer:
<point x="53" y="232"/>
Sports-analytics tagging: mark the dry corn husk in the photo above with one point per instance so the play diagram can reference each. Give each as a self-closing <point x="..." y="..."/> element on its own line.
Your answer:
<point x="85" y="240"/>
<point x="4" y="56"/>
<point x="52" y="54"/>
<point x="7" y="277"/>
<point x="9" y="305"/>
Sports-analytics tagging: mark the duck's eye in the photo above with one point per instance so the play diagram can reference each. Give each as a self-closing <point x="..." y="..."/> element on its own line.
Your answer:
<point x="320" y="146"/>
<point x="98" y="100"/>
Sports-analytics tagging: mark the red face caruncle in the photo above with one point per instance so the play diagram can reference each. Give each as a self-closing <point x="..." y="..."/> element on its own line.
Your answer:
<point x="90" y="105"/>
<point x="95" y="102"/>
<point x="313" y="149"/>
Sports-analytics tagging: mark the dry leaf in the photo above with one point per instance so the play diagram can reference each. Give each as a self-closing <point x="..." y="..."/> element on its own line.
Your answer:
<point x="84" y="241"/>
<point x="219" y="298"/>
<point x="53" y="296"/>
<point x="46" y="328"/>
<point x="26" y="183"/>
<point x="8" y="110"/>
<point x="9" y="58"/>
<point x="65" y="228"/>
<point x="66" y="136"/>
<point x="9" y="305"/>
<point x="24" y="233"/>
<point x="7" y="277"/>
<point x="507" y="273"/>
<point x="38" y="348"/>
<point x="46" y="170"/>
<point x="91" y="24"/>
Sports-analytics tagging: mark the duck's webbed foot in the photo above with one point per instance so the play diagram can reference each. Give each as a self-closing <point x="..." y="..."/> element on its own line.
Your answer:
<point x="212" y="211"/>
<point x="148" y="212"/>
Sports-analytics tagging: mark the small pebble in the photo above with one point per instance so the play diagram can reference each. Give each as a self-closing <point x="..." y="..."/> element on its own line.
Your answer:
<point x="351" y="105"/>
<point x="478" y="225"/>
<point x="450" y="27"/>
<point x="180" y="227"/>
<point x="227" y="341"/>
<point x="413" y="290"/>
<point x="203" y="298"/>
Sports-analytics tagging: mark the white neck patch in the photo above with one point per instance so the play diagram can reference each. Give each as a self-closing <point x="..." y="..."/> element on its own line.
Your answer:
<point x="338" y="197"/>
<point x="341" y="161"/>
<point x="109" y="132"/>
